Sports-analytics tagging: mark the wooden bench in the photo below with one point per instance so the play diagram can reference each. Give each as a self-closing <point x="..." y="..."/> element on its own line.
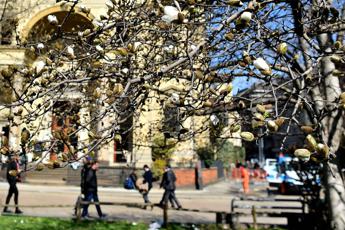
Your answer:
<point x="277" y="210"/>
<point x="220" y="216"/>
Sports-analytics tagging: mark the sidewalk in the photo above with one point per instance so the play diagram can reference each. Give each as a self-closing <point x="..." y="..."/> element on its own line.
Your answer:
<point x="213" y="197"/>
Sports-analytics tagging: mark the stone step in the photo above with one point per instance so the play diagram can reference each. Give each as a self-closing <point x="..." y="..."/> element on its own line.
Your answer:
<point x="107" y="176"/>
<point x="46" y="182"/>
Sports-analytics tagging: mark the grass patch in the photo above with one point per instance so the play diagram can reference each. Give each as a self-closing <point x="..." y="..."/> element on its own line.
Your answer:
<point x="45" y="223"/>
<point x="42" y="223"/>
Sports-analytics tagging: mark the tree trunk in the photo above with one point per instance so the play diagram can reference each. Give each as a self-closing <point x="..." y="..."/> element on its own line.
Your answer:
<point x="332" y="126"/>
<point x="335" y="195"/>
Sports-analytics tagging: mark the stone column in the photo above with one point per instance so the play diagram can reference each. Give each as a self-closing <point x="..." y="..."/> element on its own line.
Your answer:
<point x="15" y="129"/>
<point x="83" y="138"/>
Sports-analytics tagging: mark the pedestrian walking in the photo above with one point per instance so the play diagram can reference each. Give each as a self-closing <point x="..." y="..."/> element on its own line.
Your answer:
<point x="13" y="176"/>
<point x="168" y="183"/>
<point x="82" y="184"/>
<point x="90" y="189"/>
<point x="147" y="180"/>
<point x="245" y="179"/>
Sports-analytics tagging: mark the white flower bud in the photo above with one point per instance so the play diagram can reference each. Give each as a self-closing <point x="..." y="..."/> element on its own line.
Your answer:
<point x="125" y="70"/>
<point x="261" y="64"/>
<point x="214" y="119"/>
<point x="70" y="51"/>
<point x="99" y="48"/>
<point x="52" y="19"/>
<point x="40" y="46"/>
<point x="84" y="9"/>
<point x="109" y="4"/>
<point x="39" y="66"/>
<point x="170" y="14"/>
<point x="175" y="98"/>
<point x="246" y="17"/>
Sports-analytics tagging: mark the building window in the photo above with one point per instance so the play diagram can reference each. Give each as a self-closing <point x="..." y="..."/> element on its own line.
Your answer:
<point x="4" y="137"/>
<point x="171" y="122"/>
<point x="8" y="28"/>
<point x="65" y="121"/>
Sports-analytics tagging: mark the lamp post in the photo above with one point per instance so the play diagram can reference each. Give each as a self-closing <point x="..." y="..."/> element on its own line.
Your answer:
<point x="261" y="149"/>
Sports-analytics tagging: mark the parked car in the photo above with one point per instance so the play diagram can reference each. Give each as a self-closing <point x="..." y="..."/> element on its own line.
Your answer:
<point x="270" y="168"/>
<point x="282" y="176"/>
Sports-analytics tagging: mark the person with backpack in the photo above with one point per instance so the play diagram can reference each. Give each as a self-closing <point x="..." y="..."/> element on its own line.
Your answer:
<point x="168" y="183"/>
<point x="130" y="181"/>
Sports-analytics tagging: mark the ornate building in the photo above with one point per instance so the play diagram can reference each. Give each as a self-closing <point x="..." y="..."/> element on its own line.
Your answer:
<point x="28" y="22"/>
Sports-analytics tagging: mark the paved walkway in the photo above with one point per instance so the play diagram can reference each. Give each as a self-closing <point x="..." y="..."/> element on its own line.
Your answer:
<point x="215" y="197"/>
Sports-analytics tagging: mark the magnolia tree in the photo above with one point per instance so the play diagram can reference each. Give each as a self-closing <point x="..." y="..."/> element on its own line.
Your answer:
<point x="185" y="54"/>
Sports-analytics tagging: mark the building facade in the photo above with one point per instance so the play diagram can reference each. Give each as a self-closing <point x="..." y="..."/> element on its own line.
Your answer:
<point x="133" y="147"/>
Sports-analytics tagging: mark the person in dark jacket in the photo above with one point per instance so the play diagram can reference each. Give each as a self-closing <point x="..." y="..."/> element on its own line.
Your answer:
<point x="147" y="179"/>
<point x="13" y="175"/>
<point x="85" y="167"/>
<point x="168" y="183"/>
<point x="90" y="189"/>
<point x="83" y="171"/>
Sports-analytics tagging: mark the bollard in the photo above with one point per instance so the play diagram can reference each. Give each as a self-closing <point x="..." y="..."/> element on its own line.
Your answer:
<point x="255" y="226"/>
<point x="79" y="208"/>
<point x="219" y="218"/>
<point x="165" y="215"/>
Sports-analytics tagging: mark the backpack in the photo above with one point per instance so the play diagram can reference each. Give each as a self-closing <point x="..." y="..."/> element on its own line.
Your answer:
<point x="128" y="184"/>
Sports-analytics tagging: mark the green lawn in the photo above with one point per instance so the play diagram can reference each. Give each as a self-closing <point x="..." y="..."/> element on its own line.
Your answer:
<point x="41" y="223"/>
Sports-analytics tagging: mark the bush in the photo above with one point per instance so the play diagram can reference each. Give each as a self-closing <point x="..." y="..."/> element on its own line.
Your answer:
<point x="222" y="150"/>
<point x="227" y="152"/>
<point x="207" y="155"/>
<point x="162" y="148"/>
<point x="158" y="168"/>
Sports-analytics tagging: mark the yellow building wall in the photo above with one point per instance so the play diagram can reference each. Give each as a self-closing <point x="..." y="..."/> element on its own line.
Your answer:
<point x="145" y="125"/>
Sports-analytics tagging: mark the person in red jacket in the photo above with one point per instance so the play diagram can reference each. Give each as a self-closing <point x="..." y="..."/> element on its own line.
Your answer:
<point x="245" y="179"/>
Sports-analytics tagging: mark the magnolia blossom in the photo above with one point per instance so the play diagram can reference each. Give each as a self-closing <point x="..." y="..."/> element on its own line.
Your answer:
<point x="246" y="17"/>
<point x="125" y="70"/>
<point x="75" y="165"/>
<point x="235" y="3"/>
<point x="70" y="51"/>
<point x="136" y="46"/>
<point x="261" y="64"/>
<point x="52" y="19"/>
<point x="40" y="46"/>
<point x="170" y="14"/>
<point x="193" y="47"/>
<point x="109" y="4"/>
<point x="39" y="66"/>
<point x="282" y="48"/>
<point x="99" y="48"/>
<point x="175" y="98"/>
<point x="168" y="49"/>
<point x="97" y="23"/>
<point x="225" y="88"/>
<point x="84" y="9"/>
<point x="214" y="119"/>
